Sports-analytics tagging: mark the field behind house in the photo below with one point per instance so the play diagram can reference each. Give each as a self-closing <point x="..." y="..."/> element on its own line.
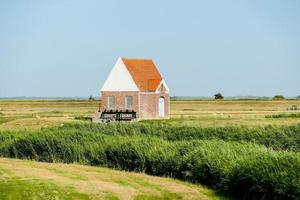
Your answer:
<point x="42" y="113"/>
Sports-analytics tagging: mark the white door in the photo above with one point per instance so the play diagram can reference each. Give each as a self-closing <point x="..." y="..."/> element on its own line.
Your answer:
<point x="161" y="107"/>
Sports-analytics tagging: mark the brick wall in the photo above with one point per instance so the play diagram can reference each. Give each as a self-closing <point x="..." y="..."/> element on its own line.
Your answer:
<point x="120" y="100"/>
<point x="149" y="105"/>
<point x="147" y="108"/>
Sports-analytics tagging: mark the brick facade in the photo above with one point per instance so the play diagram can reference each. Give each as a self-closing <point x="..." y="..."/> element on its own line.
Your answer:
<point x="144" y="103"/>
<point x="119" y="100"/>
<point x="149" y="105"/>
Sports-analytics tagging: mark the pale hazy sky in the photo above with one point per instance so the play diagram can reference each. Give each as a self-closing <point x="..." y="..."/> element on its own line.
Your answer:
<point x="67" y="48"/>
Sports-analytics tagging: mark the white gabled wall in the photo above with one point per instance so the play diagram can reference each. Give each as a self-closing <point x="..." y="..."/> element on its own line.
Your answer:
<point x="119" y="79"/>
<point x="165" y="85"/>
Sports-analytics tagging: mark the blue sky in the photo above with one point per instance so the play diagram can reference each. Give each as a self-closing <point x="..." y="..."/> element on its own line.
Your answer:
<point x="67" y="48"/>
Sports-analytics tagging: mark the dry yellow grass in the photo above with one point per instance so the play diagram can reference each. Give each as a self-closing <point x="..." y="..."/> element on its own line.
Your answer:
<point x="43" y="113"/>
<point x="231" y="112"/>
<point x="37" y="114"/>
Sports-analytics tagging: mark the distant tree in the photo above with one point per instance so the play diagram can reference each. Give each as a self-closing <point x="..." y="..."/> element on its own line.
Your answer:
<point x="91" y="98"/>
<point x="219" y="96"/>
<point x="278" y="97"/>
<point x="298" y="97"/>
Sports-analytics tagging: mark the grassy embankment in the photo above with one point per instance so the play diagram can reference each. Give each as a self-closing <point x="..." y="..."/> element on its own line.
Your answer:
<point x="29" y="180"/>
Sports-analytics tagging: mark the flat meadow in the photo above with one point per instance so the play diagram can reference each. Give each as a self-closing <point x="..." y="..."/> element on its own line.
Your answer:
<point x="42" y="113"/>
<point x="225" y="149"/>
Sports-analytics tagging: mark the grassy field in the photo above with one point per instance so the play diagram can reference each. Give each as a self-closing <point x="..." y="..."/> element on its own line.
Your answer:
<point x="28" y="180"/>
<point x="231" y="112"/>
<point x="248" y="149"/>
<point x="37" y="114"/>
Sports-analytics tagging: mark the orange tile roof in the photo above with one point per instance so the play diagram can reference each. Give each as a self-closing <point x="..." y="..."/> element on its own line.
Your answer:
<point x="144" y="73"/>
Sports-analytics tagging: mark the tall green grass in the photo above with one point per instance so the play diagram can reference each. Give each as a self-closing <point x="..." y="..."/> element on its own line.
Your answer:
<point x="277" y="137"/>
<point x="247" y="170"/>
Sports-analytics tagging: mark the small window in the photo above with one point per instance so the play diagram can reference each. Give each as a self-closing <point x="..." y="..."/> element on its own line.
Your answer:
<point x="128" y="102"/>
<point x="111" y="102"/>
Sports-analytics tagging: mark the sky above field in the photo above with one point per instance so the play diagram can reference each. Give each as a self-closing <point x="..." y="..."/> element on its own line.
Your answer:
<point x="67" y="48"/>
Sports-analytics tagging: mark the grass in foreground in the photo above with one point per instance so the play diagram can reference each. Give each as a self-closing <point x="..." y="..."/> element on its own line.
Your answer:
<point x="33" y="180"/>
<point x="246" y="170"/>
